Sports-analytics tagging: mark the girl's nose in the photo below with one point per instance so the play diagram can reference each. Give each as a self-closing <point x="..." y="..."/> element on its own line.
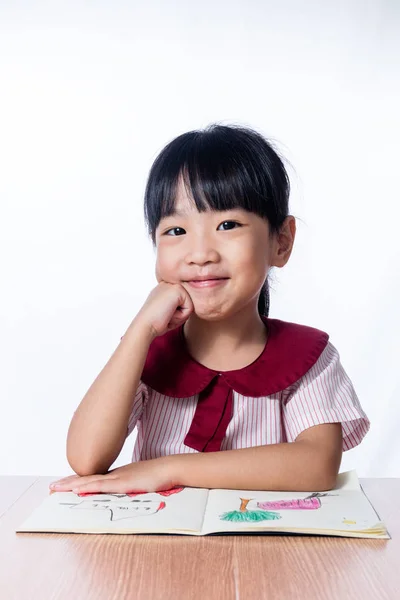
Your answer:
<point x="202" y="254"/>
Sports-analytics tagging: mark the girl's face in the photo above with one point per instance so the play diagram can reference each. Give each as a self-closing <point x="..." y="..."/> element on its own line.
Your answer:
<point x="234" y="246"/>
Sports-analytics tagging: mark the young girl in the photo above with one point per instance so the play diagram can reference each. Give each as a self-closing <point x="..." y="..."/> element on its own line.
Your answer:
<point x="222" y="395"/>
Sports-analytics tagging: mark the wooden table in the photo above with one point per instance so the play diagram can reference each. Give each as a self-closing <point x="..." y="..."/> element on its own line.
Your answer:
<point x="46" y="566"/>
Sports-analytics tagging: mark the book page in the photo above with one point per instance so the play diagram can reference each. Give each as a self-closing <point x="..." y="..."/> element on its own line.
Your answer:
<point x="177" y="511"/>
<point x="343" y="509"/>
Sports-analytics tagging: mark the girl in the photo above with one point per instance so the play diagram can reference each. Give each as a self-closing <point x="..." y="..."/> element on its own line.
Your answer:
<point x="222" y="395"/>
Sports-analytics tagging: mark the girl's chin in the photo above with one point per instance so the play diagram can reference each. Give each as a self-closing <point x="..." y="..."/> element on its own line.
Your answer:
<point x="210" y="313"/>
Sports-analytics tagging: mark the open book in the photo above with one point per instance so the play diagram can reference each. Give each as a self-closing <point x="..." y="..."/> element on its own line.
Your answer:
<point x="344" y="511"/>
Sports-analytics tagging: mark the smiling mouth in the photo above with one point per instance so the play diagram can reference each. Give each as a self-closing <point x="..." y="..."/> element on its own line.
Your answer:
<point x="205" y="283"/>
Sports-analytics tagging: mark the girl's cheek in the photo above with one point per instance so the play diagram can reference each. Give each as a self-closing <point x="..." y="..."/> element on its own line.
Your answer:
<point x="157" y="273"/>
<point x="165" y="266"/>
<point x="158" y="268"/>
<point x="161" y="272"/>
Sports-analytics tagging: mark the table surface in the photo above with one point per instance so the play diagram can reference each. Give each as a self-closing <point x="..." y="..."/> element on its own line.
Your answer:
<point x="171" y="567"/>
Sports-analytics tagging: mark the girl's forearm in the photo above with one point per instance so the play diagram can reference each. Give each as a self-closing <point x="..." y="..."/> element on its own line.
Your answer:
<point x="296" y="466"/>
<point x="98" y="427"/>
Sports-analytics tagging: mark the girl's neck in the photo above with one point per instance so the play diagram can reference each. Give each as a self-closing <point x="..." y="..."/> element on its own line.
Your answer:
<point x="232" y="343"/>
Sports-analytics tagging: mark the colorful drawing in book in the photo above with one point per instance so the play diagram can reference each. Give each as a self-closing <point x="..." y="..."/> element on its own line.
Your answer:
<point x="311" y="502"/>
<point x="243" y="514"/>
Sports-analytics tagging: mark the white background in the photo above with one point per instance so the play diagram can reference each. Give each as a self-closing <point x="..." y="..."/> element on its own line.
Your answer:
<point x="91" y="91"/>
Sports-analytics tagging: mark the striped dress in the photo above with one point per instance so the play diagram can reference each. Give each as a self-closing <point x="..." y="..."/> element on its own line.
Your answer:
<point x="296" y="383"/>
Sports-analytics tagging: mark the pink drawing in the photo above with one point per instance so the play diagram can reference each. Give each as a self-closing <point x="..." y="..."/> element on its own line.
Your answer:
<point x="175" y="490"/>
<point x="300" y="504"/>
<point x="311" y="502"/>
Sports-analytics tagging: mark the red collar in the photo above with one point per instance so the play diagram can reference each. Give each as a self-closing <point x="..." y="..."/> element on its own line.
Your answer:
<point x="291" y="350"/>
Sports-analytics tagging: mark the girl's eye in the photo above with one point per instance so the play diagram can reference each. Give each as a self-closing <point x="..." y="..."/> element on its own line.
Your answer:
<point x="229" y="225"/>
<point x="176" y="229"/>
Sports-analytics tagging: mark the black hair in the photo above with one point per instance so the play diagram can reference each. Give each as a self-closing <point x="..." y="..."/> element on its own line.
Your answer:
<point x="223" y="167"/>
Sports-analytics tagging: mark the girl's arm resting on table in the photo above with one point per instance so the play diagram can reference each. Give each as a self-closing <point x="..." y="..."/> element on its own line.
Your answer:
<point x="98" y="427"/>
<point x="310" y="463"/>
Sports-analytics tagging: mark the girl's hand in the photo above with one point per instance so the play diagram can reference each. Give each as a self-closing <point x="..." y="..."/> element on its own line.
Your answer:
<point x="144" y="476"/>
<point x="167" y="306"/>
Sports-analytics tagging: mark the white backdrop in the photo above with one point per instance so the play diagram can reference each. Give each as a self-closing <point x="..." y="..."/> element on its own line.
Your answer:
<point x="91" y="92"/>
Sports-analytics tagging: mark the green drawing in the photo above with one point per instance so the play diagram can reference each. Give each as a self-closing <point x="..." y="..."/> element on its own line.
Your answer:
<point x="248" y="515"/>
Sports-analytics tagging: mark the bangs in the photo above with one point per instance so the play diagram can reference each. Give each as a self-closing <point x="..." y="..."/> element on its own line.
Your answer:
<point x="222" y="168"/>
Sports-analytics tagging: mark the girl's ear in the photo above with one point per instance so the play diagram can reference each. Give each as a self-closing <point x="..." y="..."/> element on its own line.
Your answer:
<point x="284" y="241"/>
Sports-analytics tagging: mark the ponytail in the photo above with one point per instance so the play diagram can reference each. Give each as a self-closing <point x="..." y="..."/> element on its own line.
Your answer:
<point x="263" y="300"/>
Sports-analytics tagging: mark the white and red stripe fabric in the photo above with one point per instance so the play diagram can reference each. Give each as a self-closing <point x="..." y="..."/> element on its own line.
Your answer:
<point x="324" y="394"/>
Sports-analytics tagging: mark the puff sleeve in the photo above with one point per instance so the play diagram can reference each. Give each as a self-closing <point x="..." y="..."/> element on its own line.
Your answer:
<point x="325" y="394"/>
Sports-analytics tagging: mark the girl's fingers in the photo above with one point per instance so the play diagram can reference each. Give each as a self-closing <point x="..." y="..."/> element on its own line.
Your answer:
<point x="71" y="483"/>
<point x="63" y="481"/>
<point x="104" y="486"/>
